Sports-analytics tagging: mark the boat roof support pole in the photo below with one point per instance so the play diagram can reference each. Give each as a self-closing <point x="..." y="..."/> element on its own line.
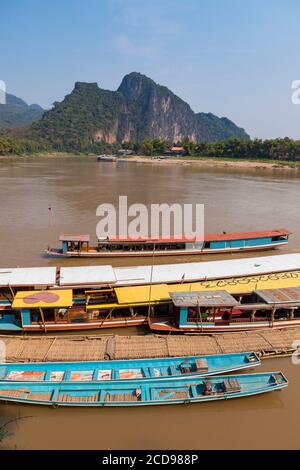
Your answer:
<point x="151" y="278"/>
<point x="43" y="318"/>
<point x="11" y="290"/>
<point x="199" y="314"/>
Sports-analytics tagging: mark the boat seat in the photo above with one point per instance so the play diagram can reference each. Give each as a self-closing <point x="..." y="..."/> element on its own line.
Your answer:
<point x="40" y="396"/>
<point x="15" y="393"/>
<point x="121" y="397"/>
<point x="231" y="385"/>
<point x="174" y="394"/>
<point x="67" y="398"/>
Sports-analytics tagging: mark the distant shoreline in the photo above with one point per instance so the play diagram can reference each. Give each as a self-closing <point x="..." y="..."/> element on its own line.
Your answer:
<point x="205" y="162"/>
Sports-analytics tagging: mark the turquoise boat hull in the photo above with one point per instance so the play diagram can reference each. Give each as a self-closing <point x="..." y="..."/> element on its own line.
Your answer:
<point x="120" y="370"/>
<point x="141" y="393"/>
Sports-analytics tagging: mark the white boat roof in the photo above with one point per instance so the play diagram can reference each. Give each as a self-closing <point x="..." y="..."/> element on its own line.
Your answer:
<point x="87" y="275"/>
<point x="137" y="275"/>
<point x="45" y="276"/>
<point x="207" y="270"/>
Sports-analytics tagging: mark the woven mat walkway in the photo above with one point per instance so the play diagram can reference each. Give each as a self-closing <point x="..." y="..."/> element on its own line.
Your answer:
<point x="82" y="348"/>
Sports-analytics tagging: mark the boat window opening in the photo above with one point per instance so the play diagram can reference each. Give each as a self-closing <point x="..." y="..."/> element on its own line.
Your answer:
<point x="296" y="313"/>
<point x="206" y="245"/>
<point x="48" y="314"/>
<point x="35" y="315"/>
<point x="263" y="315"/>
<point x="281" y="314"/>
<point x="5" y="294"/>
<point x="162" y="310"/>
<point x="143" y="310"/>
<point x="122" y="313"/>
<point x="249" y="299"/>
<point x="197" y="315"/>
<point x="93" y="315"/>
<point x="101" y="298"/>
<point x="140" y="246"/>
<point x="97" y="314"/>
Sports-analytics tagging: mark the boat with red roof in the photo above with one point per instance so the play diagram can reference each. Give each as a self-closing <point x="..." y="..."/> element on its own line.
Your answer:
<point x="79" y="245"/>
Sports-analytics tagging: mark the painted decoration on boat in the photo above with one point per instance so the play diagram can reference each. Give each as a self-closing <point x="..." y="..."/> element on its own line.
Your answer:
<point x="25" y="375"/>
<point x="104" y="375"/>
<point x="57" y="375"/>
<point x="46" y="297"/>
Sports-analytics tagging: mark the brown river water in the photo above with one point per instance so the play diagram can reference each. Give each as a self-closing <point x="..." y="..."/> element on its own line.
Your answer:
<point x="235" y="200"/>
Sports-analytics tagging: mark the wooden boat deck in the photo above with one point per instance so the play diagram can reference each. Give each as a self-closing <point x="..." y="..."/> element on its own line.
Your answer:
<point x="91" y="348"/>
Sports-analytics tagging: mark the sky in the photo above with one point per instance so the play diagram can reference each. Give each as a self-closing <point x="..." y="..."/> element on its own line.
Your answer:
<point x="234" y="58"/>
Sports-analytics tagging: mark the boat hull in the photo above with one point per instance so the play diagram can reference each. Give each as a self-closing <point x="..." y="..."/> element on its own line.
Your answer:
<point x="116" y="323"/>
<point x="168" y="326"/>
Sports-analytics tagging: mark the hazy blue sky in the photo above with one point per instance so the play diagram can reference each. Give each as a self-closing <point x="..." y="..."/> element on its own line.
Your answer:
<point x="235" y="58"/>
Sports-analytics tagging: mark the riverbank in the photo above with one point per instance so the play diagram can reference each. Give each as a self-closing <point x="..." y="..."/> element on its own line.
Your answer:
<point x="213" y="162"/>
<point x="44" y="155"/>
<point x="205" y="162"/>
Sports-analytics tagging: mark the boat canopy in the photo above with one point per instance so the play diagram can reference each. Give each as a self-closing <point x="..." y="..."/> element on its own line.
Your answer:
<point x="246" y="235"/>
<point x="87" y="275"/>
<point x="43" y="298"/>
<point x="137" y="295"/>
<point x="157" y="274"/>
<point x="142" y="294"/>
<point x="183" y="272"/>
<point x="45" y="276"/>
<point x="280" y="296"/>
<point x="213" y="298"/>
<point x="74" y="238"/>
<point x="207" y="237"/>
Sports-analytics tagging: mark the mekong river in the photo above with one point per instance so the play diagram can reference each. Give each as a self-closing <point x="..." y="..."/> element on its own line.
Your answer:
<point x="235" y="200"/>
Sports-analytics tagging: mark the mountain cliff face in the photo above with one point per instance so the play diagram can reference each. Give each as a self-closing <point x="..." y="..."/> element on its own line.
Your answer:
<point x="153" y="111"/>
<point x="16" y="113"/>
<point x="87" y="114"/>
<point x="140" y="109"/>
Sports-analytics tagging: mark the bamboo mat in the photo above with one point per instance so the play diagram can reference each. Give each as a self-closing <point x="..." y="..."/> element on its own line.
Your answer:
<point x="83" y="348"/>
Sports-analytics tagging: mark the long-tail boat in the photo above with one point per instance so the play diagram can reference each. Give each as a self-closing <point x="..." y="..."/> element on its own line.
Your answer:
<point x="79" y="245"/>
<point x="139" y="393"/>
<point x="128" y="370"/>
<point x="205" y="311"/>
<point x="131" y="284"/>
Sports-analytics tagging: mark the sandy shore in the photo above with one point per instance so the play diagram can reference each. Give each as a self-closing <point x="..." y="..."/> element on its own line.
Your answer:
<point x="213" y="162"/>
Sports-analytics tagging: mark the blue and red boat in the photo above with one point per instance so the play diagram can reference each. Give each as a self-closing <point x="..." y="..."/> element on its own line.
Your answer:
<point x="79" y="245"/>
